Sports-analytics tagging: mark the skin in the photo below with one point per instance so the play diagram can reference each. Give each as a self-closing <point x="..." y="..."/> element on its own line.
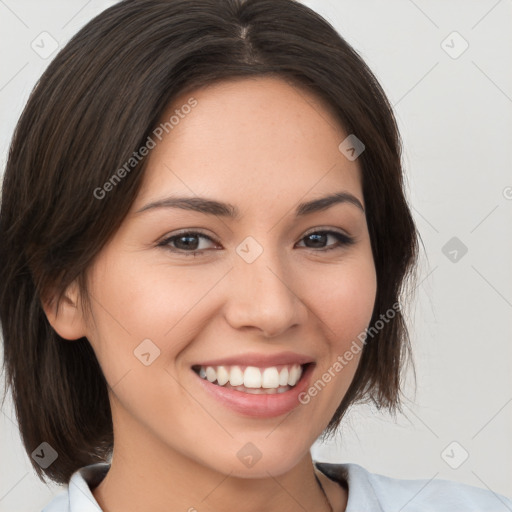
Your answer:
<point x="264" y="146"/>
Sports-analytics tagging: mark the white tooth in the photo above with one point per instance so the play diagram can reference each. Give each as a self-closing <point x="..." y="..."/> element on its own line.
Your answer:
<point x="211" y="374"/>
<point x="202" y="372"/>
<point x="222" y="375"/>
<point x="252" y="377"/>
<point x="295" y="373"/>
<point x="283" y="377"/>
<point x="282" y="389"/>
<point x="270" y="378"/>
<point x="236" y="377"/>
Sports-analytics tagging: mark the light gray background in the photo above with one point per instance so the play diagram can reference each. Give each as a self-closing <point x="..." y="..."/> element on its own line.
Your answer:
<point x="455" y="117"/>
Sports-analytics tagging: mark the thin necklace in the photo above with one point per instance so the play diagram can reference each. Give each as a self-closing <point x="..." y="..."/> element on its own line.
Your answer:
<point x="325" y="495"/>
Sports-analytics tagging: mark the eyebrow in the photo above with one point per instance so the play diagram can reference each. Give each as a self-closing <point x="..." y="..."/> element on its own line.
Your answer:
<point x="213" y="207"/>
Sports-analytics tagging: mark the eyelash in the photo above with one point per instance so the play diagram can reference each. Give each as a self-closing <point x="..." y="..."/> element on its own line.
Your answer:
<point x="342" y="241"/>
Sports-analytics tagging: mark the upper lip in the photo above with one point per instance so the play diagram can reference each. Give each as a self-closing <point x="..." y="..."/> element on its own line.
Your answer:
<point x="259" y="360"/>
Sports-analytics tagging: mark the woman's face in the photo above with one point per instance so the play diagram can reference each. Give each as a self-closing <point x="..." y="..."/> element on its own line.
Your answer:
<point x="178" y="290"/>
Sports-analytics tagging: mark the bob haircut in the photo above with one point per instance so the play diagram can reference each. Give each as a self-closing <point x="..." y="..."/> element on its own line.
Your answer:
<point x="92" y="109"/>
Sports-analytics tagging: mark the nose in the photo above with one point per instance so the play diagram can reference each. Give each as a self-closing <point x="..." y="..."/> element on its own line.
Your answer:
<point x="263" y="296"/>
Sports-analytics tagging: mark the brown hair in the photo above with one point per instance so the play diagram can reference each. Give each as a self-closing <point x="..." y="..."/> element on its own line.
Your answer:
<point x="94" y="106"/>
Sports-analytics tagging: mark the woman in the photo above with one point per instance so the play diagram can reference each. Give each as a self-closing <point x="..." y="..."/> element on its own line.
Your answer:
<point x="206" y="242"/>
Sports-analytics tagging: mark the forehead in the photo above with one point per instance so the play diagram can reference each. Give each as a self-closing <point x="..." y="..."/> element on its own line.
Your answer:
<point x="249" y="139"/>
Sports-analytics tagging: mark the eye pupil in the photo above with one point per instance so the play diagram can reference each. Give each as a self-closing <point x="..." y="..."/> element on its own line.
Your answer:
<point x="318" y="239"/>
<point x="188" y="245"/>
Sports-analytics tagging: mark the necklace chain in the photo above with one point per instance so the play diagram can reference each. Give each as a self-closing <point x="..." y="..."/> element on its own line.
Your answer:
<point x="325" y="495"/>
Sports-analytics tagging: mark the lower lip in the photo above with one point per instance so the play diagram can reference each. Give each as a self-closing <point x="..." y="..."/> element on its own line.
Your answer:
<point x="259" y="406"/>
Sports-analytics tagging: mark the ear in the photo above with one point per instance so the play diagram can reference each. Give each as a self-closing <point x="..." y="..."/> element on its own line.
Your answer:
<point x="67" y="320"/>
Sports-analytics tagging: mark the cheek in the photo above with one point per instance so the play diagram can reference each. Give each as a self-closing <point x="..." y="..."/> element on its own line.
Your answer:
<point x="344" y="299"/>
<point x="136" y="301"/>
<point x="150" y="299"/>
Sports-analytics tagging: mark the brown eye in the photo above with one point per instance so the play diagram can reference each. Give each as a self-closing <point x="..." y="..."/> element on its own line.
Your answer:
<point x="189" y="243"/>
<point x="318" y="239"/>
<point x="186" y="243"/>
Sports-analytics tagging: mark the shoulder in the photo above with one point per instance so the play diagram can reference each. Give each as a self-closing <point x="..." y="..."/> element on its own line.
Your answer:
<point x="373" y="491"/>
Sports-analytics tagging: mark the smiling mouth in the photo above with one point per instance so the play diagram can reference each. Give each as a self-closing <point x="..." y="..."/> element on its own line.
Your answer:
<point x="252" y="379"/>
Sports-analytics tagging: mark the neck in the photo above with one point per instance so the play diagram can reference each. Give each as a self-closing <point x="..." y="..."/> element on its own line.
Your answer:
<point x="144" y="475"/>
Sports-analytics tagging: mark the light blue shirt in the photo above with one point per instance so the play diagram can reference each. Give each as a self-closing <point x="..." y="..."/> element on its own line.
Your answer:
<point x="367" y="492"/>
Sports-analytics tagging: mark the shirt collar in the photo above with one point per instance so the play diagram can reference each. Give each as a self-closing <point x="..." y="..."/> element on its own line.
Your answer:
<point x="361" y="494"/>
<point x="81" y="498"/>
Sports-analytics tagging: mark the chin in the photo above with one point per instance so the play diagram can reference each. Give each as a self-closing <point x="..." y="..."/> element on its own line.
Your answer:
<point x="259" y="459"/>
